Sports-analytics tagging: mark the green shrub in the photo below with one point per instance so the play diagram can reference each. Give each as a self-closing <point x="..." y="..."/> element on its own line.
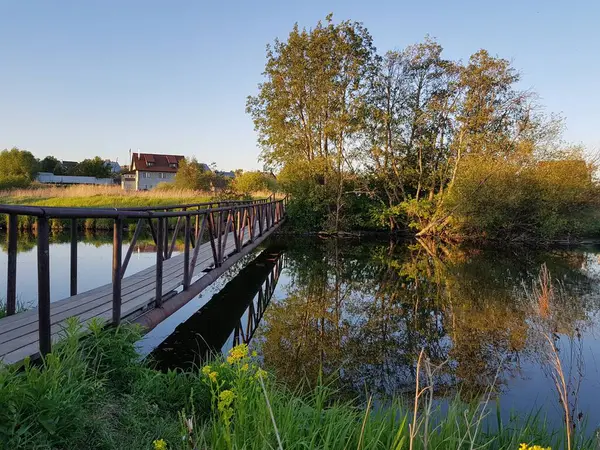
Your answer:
<point x="14" y="182"/>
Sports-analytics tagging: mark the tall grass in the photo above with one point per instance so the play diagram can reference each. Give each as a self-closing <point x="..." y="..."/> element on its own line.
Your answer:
<point x="99" y="195"/>
<point x="94" y="393"/>
<point x="104" y="197"/>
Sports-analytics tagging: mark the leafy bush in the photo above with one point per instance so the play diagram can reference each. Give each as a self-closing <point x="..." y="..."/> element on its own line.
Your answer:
<point x="254" y="181"/>
<point x="14" y="182"/>
<point x="545" y="201"/>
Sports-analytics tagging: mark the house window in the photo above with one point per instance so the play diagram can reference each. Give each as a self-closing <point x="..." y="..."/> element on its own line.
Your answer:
<point x="173" y="165"/>
<point x="150" y="163"/>
<point x="162" y="175"/>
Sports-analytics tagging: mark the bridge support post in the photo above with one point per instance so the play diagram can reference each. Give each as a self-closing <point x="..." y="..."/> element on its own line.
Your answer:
<point x="73" y="257"/>
<point x="116" y="269"/>
<point x="186" y="253"/>
<point x="43" y="263"/>
<point x="159" y="261"/>
<point x="11" y="279"/>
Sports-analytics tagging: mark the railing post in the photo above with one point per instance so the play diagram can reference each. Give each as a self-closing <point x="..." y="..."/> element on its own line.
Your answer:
<point x="165" y="237"/>
<point x="11" y="279"/>
<point x="186" y="253"/>
<point x="159" y="261"/>
<point x="43" y="263"/>
<point x="220" y="239"/>
<point x="116" y="269"/>
<point x="73" y="257"/>
<point x="260" y="219"/>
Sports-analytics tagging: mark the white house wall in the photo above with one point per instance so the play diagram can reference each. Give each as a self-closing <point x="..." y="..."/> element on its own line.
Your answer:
<point x="149" y="180"/>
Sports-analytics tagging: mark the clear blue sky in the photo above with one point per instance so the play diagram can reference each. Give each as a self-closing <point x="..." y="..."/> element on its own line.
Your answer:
<point x="97" y="77"/>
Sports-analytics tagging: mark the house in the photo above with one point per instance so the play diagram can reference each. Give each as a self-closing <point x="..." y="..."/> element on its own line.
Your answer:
<point x="147" y="170"/>
<point x="68" y="166"/>
<point x="226" y="174"/>
<point x="113" y="166"/>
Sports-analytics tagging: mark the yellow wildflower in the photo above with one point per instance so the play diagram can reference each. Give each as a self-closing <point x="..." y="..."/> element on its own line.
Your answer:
<point x="225" y="399"/>
<point x="159" y="444"/>
<point x="533" y="447"/>
<point x="213" y="376"/>
<point x="254" y="354"/>
<point x="236" y="353"/>
<point x="245" y="367"/>
<point x="206" y="370"/>
<point x="260" y="373"/>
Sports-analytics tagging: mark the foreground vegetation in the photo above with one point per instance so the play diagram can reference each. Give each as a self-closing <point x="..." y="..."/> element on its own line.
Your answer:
<point x="94" y="393"/>
<point x="410" y="139"/>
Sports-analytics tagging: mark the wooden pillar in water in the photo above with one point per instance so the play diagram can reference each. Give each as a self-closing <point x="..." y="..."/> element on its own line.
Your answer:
<point x="159" y="261"/>
<point x="43" y="263"/>
<point x="11" y="278"/>
<point x="73" y="257"/>
<point x="116" y="269"/>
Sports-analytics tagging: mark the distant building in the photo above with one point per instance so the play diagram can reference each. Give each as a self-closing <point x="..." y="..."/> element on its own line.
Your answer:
<point x="68" y="166"/>
<point x="225" y="174"/>
<point x="50" y="178"/>
<point x="113" y="165"/>
<point x="147" y="170"/>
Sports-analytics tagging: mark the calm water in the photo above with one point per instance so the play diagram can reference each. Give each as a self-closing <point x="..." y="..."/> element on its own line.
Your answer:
<point x="362" y="310"/>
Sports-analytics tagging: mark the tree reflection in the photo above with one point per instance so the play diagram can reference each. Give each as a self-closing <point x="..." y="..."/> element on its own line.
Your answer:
<point x="361" y="312"/>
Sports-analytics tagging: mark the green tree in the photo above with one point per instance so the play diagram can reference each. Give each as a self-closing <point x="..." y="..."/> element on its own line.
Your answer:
<point x="18" y="163"/>
<point x="253" y="181"/>
<point x="309" y="108"/>
<point x="194" y="175"/>
<point x="95" y="167"/>
<point x="52" y="165"/>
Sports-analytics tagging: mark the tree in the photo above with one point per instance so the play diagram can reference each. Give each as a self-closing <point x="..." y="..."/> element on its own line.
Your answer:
<point x="193" y="175"/>
<point x="95" y="167"/>
<point x="253" y="181"/>
<point x="52" y="165"/>
<point x="18" y="163"/>
<point x="310" y="106"/>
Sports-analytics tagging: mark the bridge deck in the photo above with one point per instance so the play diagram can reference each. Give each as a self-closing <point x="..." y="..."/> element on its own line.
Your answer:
<point x="19" y="334"/>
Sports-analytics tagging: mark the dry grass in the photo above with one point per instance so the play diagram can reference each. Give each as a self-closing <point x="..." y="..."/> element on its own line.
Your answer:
<point x="108" y="196"/>
<point x="48" y="192"/>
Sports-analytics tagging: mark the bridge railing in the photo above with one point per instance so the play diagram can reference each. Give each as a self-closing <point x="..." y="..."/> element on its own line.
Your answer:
<point x="214" y="222"/>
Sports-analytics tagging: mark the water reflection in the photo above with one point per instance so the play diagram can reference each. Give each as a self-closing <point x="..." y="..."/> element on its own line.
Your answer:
<point x="230" y="317"/>
<point x="361" y="313"/>
<point x="94" y="262"/>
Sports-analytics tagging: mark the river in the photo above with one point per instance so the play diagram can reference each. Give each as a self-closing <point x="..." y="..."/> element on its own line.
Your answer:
<point x="361" y="311"/>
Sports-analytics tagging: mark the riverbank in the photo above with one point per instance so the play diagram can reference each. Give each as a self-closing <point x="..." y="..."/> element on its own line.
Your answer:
<point x="94" y="393"/>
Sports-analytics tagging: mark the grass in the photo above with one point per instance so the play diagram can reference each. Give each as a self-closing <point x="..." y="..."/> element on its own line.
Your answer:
<point x="94" y="393"/>
<point x="102" y="197"/>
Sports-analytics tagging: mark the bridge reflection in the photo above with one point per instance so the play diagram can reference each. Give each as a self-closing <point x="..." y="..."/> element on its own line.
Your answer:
<point x="229" y="318"/>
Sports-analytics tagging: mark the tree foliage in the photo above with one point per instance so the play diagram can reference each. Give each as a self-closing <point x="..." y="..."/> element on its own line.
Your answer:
<point x="308" y="109"/>
<point x="52" y="165"/>
<point x="410" y="138"/>
<point x="18" y="163"/>
<point x="193" y="175"/>
<point x="95" y="167"/>
<point x="253" y="181"/>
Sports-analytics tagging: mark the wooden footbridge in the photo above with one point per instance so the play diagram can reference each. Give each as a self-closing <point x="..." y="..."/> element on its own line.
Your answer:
<point x="215" y="235"/>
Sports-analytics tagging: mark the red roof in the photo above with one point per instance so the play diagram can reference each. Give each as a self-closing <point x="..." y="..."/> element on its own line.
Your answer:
<point x="151" y="162"/>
